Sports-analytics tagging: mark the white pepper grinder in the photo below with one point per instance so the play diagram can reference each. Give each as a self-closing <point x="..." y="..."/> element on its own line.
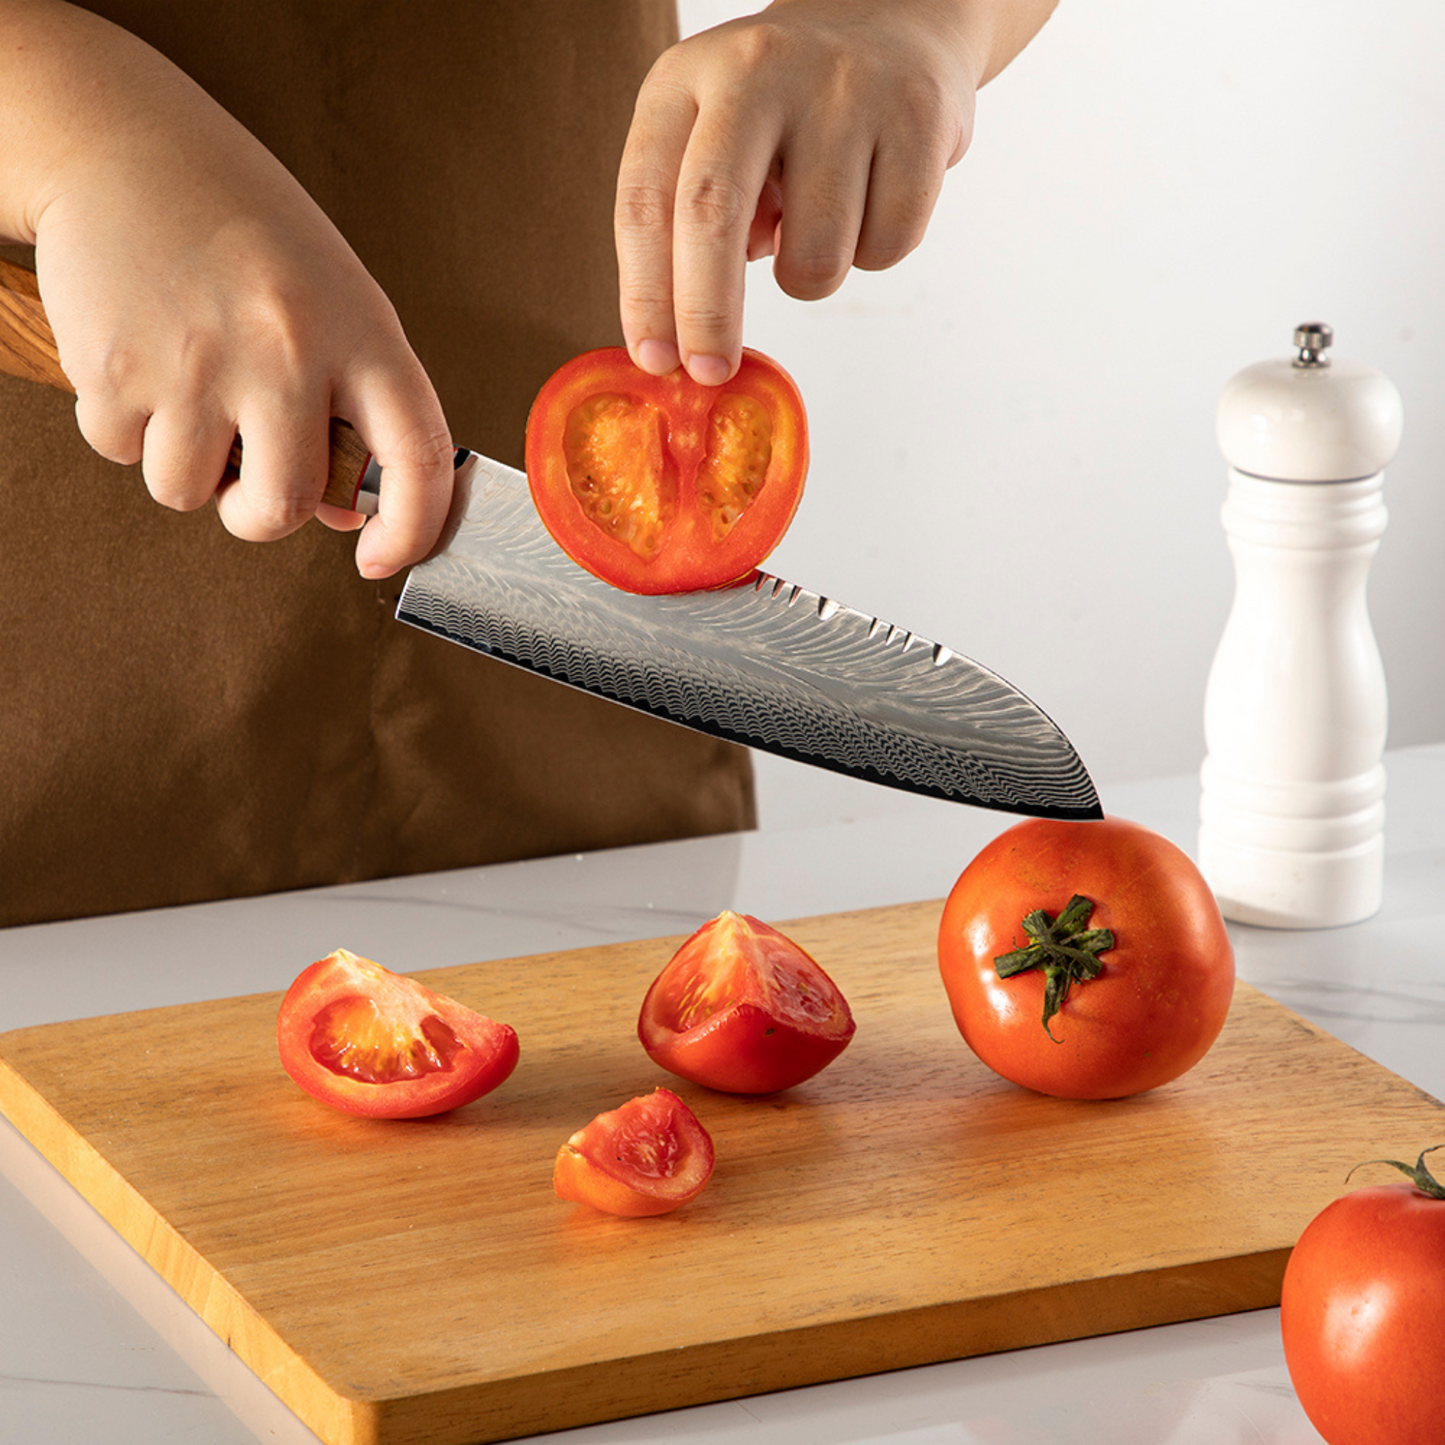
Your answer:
<point x="1293" y="783"/>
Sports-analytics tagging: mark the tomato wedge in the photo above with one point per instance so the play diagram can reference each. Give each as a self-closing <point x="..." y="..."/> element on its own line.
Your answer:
<point x="659" y="484"/>
<point x="741" y="1008"/>
<point x="368" y="1041"/>
<point x="649" y="1156"/>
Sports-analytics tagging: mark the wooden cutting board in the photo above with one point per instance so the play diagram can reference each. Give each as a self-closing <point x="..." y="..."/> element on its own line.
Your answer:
<point x="418" y="1282"/>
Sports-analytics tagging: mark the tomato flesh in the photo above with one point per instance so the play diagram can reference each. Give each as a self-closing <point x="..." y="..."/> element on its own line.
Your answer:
<point x="659" y="484"/>
<point x="1166" y="982"/>
<point x="352" y="1036"/>
<point x="648" y="1157"/>
<point x="743" y="1009"/>
<point x="377" y="1043"/>
<point x="1359" y="1314"/>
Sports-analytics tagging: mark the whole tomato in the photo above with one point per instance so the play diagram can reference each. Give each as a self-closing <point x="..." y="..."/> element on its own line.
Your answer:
<point x="1360" y="1314"/>
<point x="743" y="1009"/>
<point x="1085" y="959"/>
<point x="658" y="483"/>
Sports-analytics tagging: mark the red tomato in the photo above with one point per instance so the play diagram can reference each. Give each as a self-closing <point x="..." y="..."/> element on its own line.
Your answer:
<point x="1360" y="1314"/>
<point x="648" y="1157"/>
<point x="1085" y="959"/>
<point x="659" y="484"/>
<point x="743" y="1009"/>
<point x="369" y="1041"/>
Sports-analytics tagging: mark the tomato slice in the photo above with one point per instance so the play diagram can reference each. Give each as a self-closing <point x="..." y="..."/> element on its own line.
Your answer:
<point x="363" y="1039"/>
<point x="650" y="1156"/>
<point x="741" y="1008"/>
<point x="659" y="484"/>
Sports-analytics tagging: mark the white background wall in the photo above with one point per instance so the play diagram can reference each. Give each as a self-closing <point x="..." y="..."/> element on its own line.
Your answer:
<point x="1013" y="431"/>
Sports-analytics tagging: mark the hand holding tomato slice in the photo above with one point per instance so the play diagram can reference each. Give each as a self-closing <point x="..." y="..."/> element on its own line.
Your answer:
<point x="1360" y="1313"/>
<point x="368" y="1041"/>
<point x="650" y="1156"/>
<point x="741" y="1008"/>
<point x="1087" y="960"/>
<point x="659" y="484"/>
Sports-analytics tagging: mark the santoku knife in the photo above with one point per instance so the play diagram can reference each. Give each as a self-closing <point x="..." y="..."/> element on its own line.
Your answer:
<point x="765" y="663"/>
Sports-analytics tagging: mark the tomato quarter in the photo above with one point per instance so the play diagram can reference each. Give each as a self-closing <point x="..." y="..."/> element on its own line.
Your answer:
<point x="1360" y="1314"/>
<point x="659" y="484"/>
<point x="1085" y="959"/>
<point x="363" y="1039"/>
<point x="741" y="1008"/>
<point x="649" y="1156"/>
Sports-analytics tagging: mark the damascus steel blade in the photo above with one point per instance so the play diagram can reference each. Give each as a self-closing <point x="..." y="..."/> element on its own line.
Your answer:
<point x="767" y="663"/>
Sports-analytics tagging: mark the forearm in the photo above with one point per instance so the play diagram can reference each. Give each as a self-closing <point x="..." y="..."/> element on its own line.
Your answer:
<point x="78" y="97"/>
<point x="986" y="34"/>
<point x="1001" y="29"/>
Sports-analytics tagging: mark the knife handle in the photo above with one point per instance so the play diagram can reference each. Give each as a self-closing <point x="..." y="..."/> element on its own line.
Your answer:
<point x="28" y="350"/>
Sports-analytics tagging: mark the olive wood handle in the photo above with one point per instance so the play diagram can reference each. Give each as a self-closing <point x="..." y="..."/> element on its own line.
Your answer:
<point x="27" y="350"/>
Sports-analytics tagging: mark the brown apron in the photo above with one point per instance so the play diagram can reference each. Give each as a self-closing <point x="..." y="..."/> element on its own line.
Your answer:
<point x="185" y="716"/>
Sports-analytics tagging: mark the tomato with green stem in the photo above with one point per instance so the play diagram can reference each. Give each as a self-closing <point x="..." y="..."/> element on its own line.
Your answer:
<point x="1085" y="959"/>
<point x="660" y="484"/>
<point x="372" y="1042"/>
<point x="1360" y="1313"/>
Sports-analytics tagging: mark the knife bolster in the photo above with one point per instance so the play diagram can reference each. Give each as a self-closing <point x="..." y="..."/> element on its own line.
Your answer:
<point x="355" y="480"/>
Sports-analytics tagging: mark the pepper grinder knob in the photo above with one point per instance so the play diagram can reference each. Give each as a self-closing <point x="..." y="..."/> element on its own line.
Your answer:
<point x="1313" y="339"/>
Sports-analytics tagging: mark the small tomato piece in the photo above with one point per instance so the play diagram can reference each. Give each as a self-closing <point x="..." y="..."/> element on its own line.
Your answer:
<point x="742" y="1009"/>
<point x="1359" y="1314"/>
<point x="368" y="1041"/>
<point x="1086" y="960"/>
<point x="660" y="484"/>
<point x="650" y="1156"/>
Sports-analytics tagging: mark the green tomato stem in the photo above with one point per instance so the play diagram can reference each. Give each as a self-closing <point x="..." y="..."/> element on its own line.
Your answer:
<point x="1065" y="948"/>
<point x="1416" y="1173"/>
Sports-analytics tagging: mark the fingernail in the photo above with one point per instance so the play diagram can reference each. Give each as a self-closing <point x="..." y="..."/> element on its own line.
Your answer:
<point x="657" y="357"/>
<point x="708" y="370"/>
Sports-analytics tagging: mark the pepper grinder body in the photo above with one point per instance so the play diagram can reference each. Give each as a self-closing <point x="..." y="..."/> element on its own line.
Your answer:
<point x="1292" y="806"/>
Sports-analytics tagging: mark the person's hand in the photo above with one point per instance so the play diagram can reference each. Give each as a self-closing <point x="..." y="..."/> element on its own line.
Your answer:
<point x="197" y="292"/>
<point x="818" y="132"/>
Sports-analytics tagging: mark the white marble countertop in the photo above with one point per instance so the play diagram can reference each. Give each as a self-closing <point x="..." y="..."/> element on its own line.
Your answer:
<point x="94" y="1346"/>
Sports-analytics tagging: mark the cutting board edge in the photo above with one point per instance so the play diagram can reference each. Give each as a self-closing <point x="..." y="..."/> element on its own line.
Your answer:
<point x="819" y="1354"/>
